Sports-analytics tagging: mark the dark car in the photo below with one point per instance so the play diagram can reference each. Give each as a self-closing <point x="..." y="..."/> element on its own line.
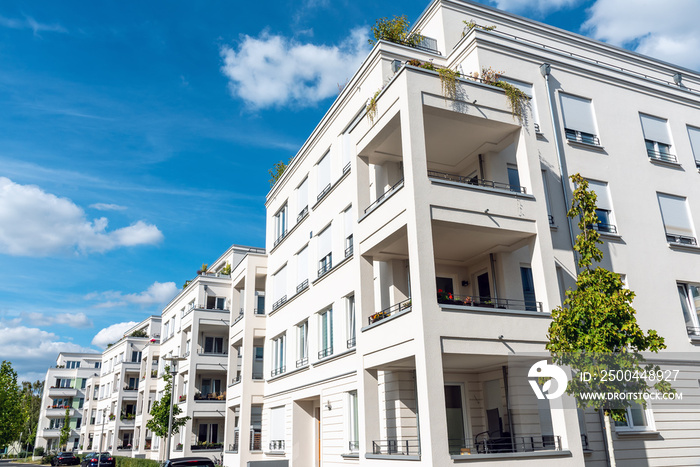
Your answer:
<point x="91" y="460"/>
<point x="189" y="462"/>
<point x="65" y="458"/>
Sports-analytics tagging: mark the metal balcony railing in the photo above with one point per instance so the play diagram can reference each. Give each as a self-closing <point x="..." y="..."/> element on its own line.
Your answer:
<point x="302" y="214"/>
<point x="255" y="440"/>
<point x="326" y="266"/>
<point x="351" y="343"/>
<point x="257" y="375"/>
<point x="302" y="361"/>
<point x="277" y="371"/>
<point x="680" y="239"/>
<point x="475" y="181"/>
<point x="353" y="446"/>
<point x="279" y="303"/>
<point x="384" y="196"/>
<point x="444" y="298"/>
<point x="303" y="286"/>
<point x="428" y="44"/>
<point x="661" y="156"/>
<point x="393" y="309"/>
<point x="280" y="238"/>
<point x="581" y="137"/>
<point x="323" y="192"/>
<point x="602" y="227"/>
<point x="349" y="249"/>
<point x="238" y="318"/>
<point x="325" y="352"/>
<point x="399" y="447"/>
<point x="483" y="444"/>
<point x="693" y="331"/>
<point x="277" y="445"/>
<point x="235" y="380"/>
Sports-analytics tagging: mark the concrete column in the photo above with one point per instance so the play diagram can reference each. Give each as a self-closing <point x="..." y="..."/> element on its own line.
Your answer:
<point x="368" y="402"/>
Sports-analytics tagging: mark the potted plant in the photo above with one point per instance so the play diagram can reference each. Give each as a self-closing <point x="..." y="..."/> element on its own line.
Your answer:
<point x="112" y="417"/>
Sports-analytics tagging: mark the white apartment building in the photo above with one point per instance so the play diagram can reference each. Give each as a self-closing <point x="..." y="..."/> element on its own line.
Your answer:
<point x="415" y="250"/>
<point x="65" y="388"/>
<point x="111" y="411"/>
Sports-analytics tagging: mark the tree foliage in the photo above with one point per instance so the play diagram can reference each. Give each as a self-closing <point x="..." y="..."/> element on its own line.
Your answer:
<point x="395" y="30"/>
<point x="12" y="417"/>
<point x="31" y="406"/>
<point x="277" y="170"/>
<point x="596" y="328"/>
<point x="160" y="411"/>
<point x="65" y="431"/>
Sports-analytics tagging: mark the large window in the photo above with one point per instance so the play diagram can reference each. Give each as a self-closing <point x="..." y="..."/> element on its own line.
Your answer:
<point x="256" y="428"/>
<point x="579" y="123"/>
<point x="325" y="258"/>
<point x="656" y="138"/>
<point x="353" y="423"/>
<point x="277" y="428"/>
<point x="279" y="355"/>
<point x="604" y="209"/>
<point x="350" y="305"/>
<point x="677" y="222"/>
<point x="637" y="419"/>
<point x="325" y="327"/>
<point x="280" y="223"/>
<point x="208" y="433"/>
<point x="210" y="388"/>
<point x="72" y="364"/>
<point x="323" y="176"/>
<point x="213" y="303"/>
<point x="694" y="135"/>
<point x="303" y="344"/>
<point x="513" y="178"/>
<point x="279" y="285"/>
<point x="214" y="345"/>
<point x="303" y="269"/>
<point x="303" y="199"/>
<point x="690" y="304"/>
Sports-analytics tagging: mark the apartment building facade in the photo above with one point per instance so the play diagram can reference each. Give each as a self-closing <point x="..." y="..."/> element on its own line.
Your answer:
<point x="65" y="388"/>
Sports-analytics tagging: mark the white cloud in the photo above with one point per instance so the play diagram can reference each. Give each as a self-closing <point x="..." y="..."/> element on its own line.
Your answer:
<point x="30" y="23"/>
<point x="36" y="223"/>
<point x="542" y="7"/>
<point x="667" y="32"/>
<point x="274" y="71"/>
<point x="74" y="320"/>
<point x="112" y="334"/>
<point x="107" y="207"/>
<point x="156" y="293"/>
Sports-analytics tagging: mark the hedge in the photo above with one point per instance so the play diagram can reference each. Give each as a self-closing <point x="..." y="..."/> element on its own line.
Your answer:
<point x="133" y="462"/>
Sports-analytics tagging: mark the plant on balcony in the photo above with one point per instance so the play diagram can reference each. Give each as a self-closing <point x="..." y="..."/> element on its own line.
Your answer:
<point x="378" y="316"/>
<point x="226" y="270"/>
<point x="372" y="106"/>
<point x="203" y="269"/>
<point x="395" y="30"/>
<point x="277" y="170"/>
<point x="516" y="98"/>
<point x="471" y="24"/>
<point x="184" y="286"/>
<point x="178" y="447"/>
<point x="448" y="80"/>
<point x="445" y="297"/>
<point x="112" y="416"/>
<point x="596" y="325"/>
<point x="182" y="398"/>
<point x="160" y="411"/>
<point x="139" y="333"/>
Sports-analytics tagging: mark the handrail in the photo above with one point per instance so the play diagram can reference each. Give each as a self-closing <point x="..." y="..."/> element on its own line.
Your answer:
<point x="444" y="298"/>
<point x="581" y="137"/>
<point x="602" y="227"/>
<point x="404" y="447"/>
<point x="476" y="181"/>
<point x="383" y="196"/>
<point x="386" y="312"/>
<point x="661" y="156"/>
<point x="680" y="239"/>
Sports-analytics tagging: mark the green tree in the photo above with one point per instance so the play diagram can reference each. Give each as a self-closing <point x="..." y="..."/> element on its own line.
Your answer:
<point x="596" y="328"/>
<point x="31" y="406"/>
<point x="395" y="30"/>
<point x="65" y="431"/>
<point x="277" y="170"/>
<point x="160" y="411"/>
<point x="12" y="417"/>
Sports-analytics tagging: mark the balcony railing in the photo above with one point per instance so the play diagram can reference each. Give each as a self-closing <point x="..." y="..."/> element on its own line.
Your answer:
<point x="325" y="352"/>
<point x="257" y="375"/>
<point x="302" y="214"/>
<point x="255" y="440"/>
<point x="475" y="181"/>
<point x="581" y="137"/>
<point x="277" y="371"/>
<point x="346" y="169"/>
<point x="693" y="331"/>
<point x="302" y="361"/>
<point x="233" y="447"/>
<point x="351" y="343"/>
<point x="303" y="286"/>
<point x="206" y="446"/>
<point x="488" y="302"/>
<point x="680" y="239"/>
<point x="212" y="354"/>
<point x="323" y="192"/>
<point x="349" y="249"/>
<point x="661" y="156"/>
<point x="385" y="313"/>
<point x="277" y="445"/>
<point x="239" y="317"/>
<point x="428" y="44"/>
<point x="399" y="447"/>
<point x="211" y="396"/>
<point x="602" y="227"/>
<point x="353" y="446"/>
<point x="697" y="164"/>
<point x="384" y="196"/>
<point x="483" y="444"/>
<point x="326" y="265"/>
<point x="280" y="238"/>
<point x="279" y="303"/>
<point x="235" y="380"/>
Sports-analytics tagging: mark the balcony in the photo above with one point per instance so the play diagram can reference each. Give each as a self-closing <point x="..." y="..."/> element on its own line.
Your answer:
<point x="397" y="447"/>
<point x="62" y="392"/>
<point x="302" y="362"/>
<point x="328" y="351"/>
<point x="680" y="239"/>
<point x="661" y="156"/>
<point x="444" y="298"/>
<point x="206" y="446"/>
<point x="390" y="311"/>
<point x="483" y="443"/>
<point x="212" y="396"/>
<point x="279" y="303"/>
<point x="384" y="196"/>
<point x="235" y="380"/>
<point x="303" y="286"/>
<point x="302" y="214"/>
<point x="581" y="137"/>
<point x="238" y="318"/>
<point x="277" y="445"/>
<point x="276" y="371"/>
<point x="428" y="44"/>
<point x="326" y="265"/>
<point x="475" y="181"/>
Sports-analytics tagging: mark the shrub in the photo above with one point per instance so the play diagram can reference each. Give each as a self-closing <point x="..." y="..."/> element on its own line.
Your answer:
<point x="39" y="451"/>
<point x="133" y="462"/>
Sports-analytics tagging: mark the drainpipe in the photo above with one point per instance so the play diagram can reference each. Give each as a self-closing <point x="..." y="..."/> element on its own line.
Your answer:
<point x="481" y="166"/>
<point x="545" y="69"/>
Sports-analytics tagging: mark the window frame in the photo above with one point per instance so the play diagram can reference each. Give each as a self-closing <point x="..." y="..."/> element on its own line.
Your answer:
<point x="629" y="426"/>
<point x="325" y="339"/>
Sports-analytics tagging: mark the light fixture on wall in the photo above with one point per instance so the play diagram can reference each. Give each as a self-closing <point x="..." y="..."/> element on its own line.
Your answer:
<point x="205" y="287"/>
<point x="328" y="405"/>
<point x="465" y="283"/>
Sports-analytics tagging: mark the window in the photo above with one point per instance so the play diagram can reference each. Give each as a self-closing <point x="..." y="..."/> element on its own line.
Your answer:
<point x="256" y="428"/>
<point x="83" y="382"/>
<point x="72" y="364"/>
<point x="280" y="224"/>
<point x="528" y="289"/>
<point x="353" y="423"/>
<point x="277" y="428"/>
<point x="348" y="221"/>
<point x="303" y="199"/>
<point x="215" y="303"/>
<point x="677" y="223"/>
<point x="513" y="178"/>
<point x="694" y="135"/>
<point x="210" y="387"/>
<point x="579" y="124"/>
<point x="93" y="414"/>
<point x="278" y="355"/>
<point x="604" y="207"/>
<point x="638" y="419"/>
<point x="135" y="356"/>
<point x="656" y="138"/>
<point x="279" y="284"/>
<point x="98" y="364"/>
<point x="325" y="327"/>
<point x="323" y="176"/>
<point x="690" y="304"/>
<point x="325" y="261"/>
<point x="303" y="344"/>
<point x="208" y="433"/>
<point x="81" y="402"/>
<point x="350" y="306"/>
<point x="303" y="269"/>
<point x="214" y="345"/>
<point x="260" y="303"/>
<point x="258" y="353"/>
<point x="64" y="383"/>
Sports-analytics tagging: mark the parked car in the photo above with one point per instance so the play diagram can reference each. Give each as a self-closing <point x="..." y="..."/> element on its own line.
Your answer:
<point x="91" y="460"/>
<point x="189" y="462"/>
<point x="65" y="458"/>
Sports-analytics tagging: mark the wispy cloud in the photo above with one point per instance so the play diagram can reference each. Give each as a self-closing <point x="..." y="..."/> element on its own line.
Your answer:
<point x="107" y="207"/>
<point x="112" y="333"/>
<point x="36" y="223"/>
<point x="30" y="23"/>
<point x="275" y="71"/>
<point x="156" y="294"/>
<point x="541" y="7"/>
<point x="73" y="320"/>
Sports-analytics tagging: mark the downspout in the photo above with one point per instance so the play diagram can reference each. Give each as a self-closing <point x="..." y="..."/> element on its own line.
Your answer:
<point x="605" y="434"/>
<point x="545" y="69"/>
<point x="481" y="166"/>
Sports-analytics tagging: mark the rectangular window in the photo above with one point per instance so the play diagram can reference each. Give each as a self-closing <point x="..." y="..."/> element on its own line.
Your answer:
<point x="278" y="355"/>
<point x="83" y="382"/>
<point x="303" y="344"/>
<point x="72" y="364"/>
<point x="280" y="224"/>
<point x="528" y="289"/>
<point x="690" y="304"/>
<point x="677" y="222"/>
<point x="256" y="428"/>
<point x="279" y="284"/>
<point x="303" y="269"/>
<point x="208" y="433"/>
<point x="325" y="327"/>
<point x="350" y="306"/>
<point x="323" y="176"/>
<point x="303" y="199"/>
<point x="638" y="419"/>
<point x="214" y="303"/>
<point x="656" y="138"/>
<point x="604" y="209"/>
<point x="258" y="353"/>
<point x="694" y="135"/>
<point x="513" y="178"/>
<point x="135" y="356"/>
<point x="214" y="345"/>
<point x="81" y="402"/>
<point x="325" y="259"/>
<point x="349" y="224"/>
<point x="277" y="428"/>
<point x="353" y="423"/>
<point x="579" y="123"/>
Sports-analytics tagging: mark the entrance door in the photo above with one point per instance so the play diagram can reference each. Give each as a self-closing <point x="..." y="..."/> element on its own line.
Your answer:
<point x="456" y="428"/>
<point x="482" y="283"/>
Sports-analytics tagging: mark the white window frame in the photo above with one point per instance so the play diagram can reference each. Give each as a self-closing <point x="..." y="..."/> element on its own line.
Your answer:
<point x="349" y="224"/>
<point x="657" y="138"/>
<point x="688" y="230"/>
<point x="280" y="223"/>
<point x="352" y="427"/>
<point x="692" y="322"/>
<point x="578" y="127"/>
<point x="629" y="427"/>
<point x="351" y="320"/>
<point x="279" y="354"/>
<point x="303" y="199"/>
<point x="302" y="343"/>
<point x="325" y="323"/>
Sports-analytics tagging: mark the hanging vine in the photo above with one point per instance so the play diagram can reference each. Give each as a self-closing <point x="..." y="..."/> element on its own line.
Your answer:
<point x="372" y="107"/>
<point x="516" y="98"/>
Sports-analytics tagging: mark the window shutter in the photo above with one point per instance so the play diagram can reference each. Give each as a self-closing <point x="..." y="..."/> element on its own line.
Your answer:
<point x="303" y="265"/>
<point x="578" y="114"/>
<point x="675" y="215"/>
<point x="601" y="190"/>
<point x="280" y="283"/>
<point x="694" y="134"/>
<point x="303" y="195"/>
<point x="323" y="174"/>
<point x="348" y="222"/>
<point x="324" y="242"/>
<point x="655" y="129"/>
<point x="277" y="423"/>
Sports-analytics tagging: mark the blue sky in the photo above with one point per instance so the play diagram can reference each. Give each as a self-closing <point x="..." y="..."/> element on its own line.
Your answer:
<point x="135" y="139"/>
